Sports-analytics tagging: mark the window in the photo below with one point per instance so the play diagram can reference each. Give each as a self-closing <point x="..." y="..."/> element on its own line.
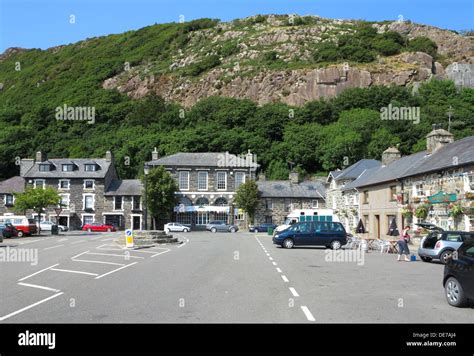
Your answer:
<point x="239" y="179"/>
<point x="118" y="203"/>
<point x="240" y="215"/>
<point x="88" y="184"/>
<point x="469" y="252"/>
<point x="346" y="199"/>
<point x="366" y="197"/>
<point x="64" y="184"/>
<point x="221" y="202"/>
<point x="90" y="167"/>
<point x="419" y="190"/>
<point x="287" y="204"/>
<point x="67" y="167"/>
<point x="221" y="180"/>
<point x="269" y="204"/>
<point x="393" y="193"/>
<point x="202" y="201"/>
<point x="202" y="180"/>
<point x="64" y="203"/>
<point x="202" y="218"/>
<point x="9" y="199"/>
<point x="39" y="183"/>
<point x="183" y="180"/>
<point x="44" y="167"/>
<point x="453" y="237"/>
<point x="314" y="203"/>
<point x="87" y="219"/>
<point x="88" y="202"/>
<point x="136" y="202"/>
<point x="268" y="219"/>
<point x="356" y="199"/>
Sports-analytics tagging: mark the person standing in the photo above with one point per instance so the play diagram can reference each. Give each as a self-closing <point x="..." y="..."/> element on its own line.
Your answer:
<point x="403" y="244"/>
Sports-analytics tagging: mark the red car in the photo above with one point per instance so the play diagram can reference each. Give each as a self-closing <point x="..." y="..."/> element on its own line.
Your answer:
<point x="98" y="227"/>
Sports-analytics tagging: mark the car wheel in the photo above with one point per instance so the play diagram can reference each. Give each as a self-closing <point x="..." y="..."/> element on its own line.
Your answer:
<point x="425" y="259"/>
<point x="454" y="293"/>
<point x="167" y="231"/>
<point x="108" y="230"/>
<point x="288" y="243"/>
<point x="89" y="230"/>
<point x="232" y="229"/>
<point x="20" y="234"/>
<point x="186" y="230"/>
<point x="336" y="245"/>
<point x="213" y="229"/>
<point x="445" y="256"/>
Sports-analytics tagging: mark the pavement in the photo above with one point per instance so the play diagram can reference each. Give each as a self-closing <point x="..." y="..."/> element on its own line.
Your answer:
<point x="213" y="278"/>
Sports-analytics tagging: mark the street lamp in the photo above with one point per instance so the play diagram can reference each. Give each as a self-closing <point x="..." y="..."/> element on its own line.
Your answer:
<point x="146" y="170"/>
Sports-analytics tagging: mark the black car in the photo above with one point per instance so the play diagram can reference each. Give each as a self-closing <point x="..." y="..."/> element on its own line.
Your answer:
<point x="262" y="227"/>
<point x="458" y="278"/>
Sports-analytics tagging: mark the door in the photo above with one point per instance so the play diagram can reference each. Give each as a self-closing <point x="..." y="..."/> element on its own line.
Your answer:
<point x="377" y="226"/>
<point x="136" y="223"/>
<point x="302" y="233"/>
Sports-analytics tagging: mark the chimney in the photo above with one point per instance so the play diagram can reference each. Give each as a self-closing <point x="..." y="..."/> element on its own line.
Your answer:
<point x="25" y="165"/>
<point x="262" y="177"/>
<point x="389" y="155"/>
<point x="40" y="156"/>
<point x="437" y="139"/>
<point x="109" y="157"/>
<point x="294" y="177"/>
<point x="154" y="155"/>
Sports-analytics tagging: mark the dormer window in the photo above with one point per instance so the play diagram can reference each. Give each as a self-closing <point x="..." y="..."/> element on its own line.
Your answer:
<point x="90" y="167"/>
<point x="67" y="167"/>
<point x="44" y="167"/>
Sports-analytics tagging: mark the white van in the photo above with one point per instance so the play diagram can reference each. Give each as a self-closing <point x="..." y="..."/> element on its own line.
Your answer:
<point x="299" y="215"/>
<point x="24" y="225"/>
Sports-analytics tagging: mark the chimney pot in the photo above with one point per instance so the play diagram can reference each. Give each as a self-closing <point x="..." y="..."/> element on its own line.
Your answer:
<point x="390" y="155"/>
<point x="437" y="139"/>
<point x="294" y="177"/>
<point x="262" y="177"/>
<point x="155" y="155"/>
<point x="109" y="156"/>
<point x="40" y="157"/>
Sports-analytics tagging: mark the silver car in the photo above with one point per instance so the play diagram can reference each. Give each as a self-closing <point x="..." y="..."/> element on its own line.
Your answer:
<point x="218" y="225"/>
<point x="440" y="244"/>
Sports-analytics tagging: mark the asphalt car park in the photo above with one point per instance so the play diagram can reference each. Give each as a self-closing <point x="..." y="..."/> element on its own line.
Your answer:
<point x="217" y="277"/>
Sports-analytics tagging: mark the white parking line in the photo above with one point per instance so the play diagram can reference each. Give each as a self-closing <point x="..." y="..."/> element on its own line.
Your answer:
<point x="78" y="242"/>
<point x="112" y="254"/>
<point x="182" y="245"/>
<point x="274" y="263"/>
<point x="115" y="270"/>
<point x="39" y="287"/>
<point x="278" y="270"/>
<point x="109" y="239"/>
<point x="50" y="248"/>
<point x="102" y="262"/>
<point x="159" y="253"/>
<point x="284" y="278"/>
<point x="307" y="313"/>
<point x="34" y="274"/>
<point x="96" y="238"/>
<point x="29" y="306"/>
<point x="294" y="292"/>
<point x="61" y="240"/>
<point x="72" y="271"/>
<point x="270" y="258"/>
<point x="79" y="254"/>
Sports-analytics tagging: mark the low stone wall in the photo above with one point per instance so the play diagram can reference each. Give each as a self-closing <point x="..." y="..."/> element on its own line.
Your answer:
<point x="144" y="238"/>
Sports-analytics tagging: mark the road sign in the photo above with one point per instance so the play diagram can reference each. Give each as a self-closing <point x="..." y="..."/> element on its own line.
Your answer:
<point x="129" y="238"/>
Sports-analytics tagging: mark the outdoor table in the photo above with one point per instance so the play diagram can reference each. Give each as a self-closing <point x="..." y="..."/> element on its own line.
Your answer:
<point x="393" y="245"/>
<point x="370" y="242"/>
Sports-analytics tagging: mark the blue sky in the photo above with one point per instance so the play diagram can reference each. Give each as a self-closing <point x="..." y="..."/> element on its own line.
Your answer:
<point x="46" y="23"/>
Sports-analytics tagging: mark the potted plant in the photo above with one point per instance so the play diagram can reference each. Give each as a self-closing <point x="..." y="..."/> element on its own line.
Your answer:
<point x="407" y="213"/>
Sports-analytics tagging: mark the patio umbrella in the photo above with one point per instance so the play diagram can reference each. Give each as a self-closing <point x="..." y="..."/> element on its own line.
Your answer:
<point x="393" y="229"/>
<point x="360" y="227"/>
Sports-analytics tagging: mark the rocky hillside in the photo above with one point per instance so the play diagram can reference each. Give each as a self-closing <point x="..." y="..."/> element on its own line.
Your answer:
<point x="275" y="58"/>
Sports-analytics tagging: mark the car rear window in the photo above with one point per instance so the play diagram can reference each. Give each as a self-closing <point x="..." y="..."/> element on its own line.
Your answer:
<point x="453" y="237"/>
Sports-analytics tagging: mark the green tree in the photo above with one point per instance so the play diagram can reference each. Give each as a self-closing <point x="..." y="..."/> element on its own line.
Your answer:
<point x="247" y="198"/>
<point x="423" y="44"/>
<point x="36" y="199"/>
<point x="380" y="141"/>
<point x="161" y="197"/>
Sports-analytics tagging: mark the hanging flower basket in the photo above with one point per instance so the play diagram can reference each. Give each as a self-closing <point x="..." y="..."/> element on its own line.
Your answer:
<point x="416" y="199"/>
<point x="469" y="195"/>
<point x="455" y="210"/>
<point x="422" y="211"/>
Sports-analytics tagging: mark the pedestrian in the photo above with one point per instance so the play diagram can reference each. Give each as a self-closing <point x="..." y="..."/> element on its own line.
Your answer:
<point x="403" y="244"/>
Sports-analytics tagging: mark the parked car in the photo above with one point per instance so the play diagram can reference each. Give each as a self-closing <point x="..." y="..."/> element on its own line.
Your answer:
<point x="458" y="278"/>
<point x="98" y="227"/>
<point x="7" y="230"/>
<point x="440" y="244"/>
<point x="217" y="225"/>
<point x="262" y="227"/>
<point x="315" y="233"/>
<point x="23" y="225"/>
<point x="47" y="226"/>
<point x="176" y="227"/>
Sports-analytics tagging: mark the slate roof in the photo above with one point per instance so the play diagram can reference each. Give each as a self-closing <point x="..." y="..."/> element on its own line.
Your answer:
<point x="124" y="187"/>
<point x="354" y="171"/>
<point x="419" y="163"/>
<point x="12" y="185"/>
<point x="286" y="189"/>
<point x="78" y="172"/>
<point x="188" y="159"/>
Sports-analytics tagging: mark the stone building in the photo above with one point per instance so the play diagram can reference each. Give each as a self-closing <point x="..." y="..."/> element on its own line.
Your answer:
<point x="123" y="204"/>
<point x="80" y="182"/>
<point x="439" y="178"/>
<point x="279" y="197"/>
<point x="207" y="184"/>
<point x="7" y="188"/>
<point x="345" y="203"/>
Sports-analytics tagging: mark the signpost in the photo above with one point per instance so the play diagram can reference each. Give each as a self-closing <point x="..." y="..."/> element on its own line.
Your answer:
<point x="57" y="211"/>
<point x="129" y="238"/>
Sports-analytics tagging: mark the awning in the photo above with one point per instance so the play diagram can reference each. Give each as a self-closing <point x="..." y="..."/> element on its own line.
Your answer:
<point x="206" y="208"/>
